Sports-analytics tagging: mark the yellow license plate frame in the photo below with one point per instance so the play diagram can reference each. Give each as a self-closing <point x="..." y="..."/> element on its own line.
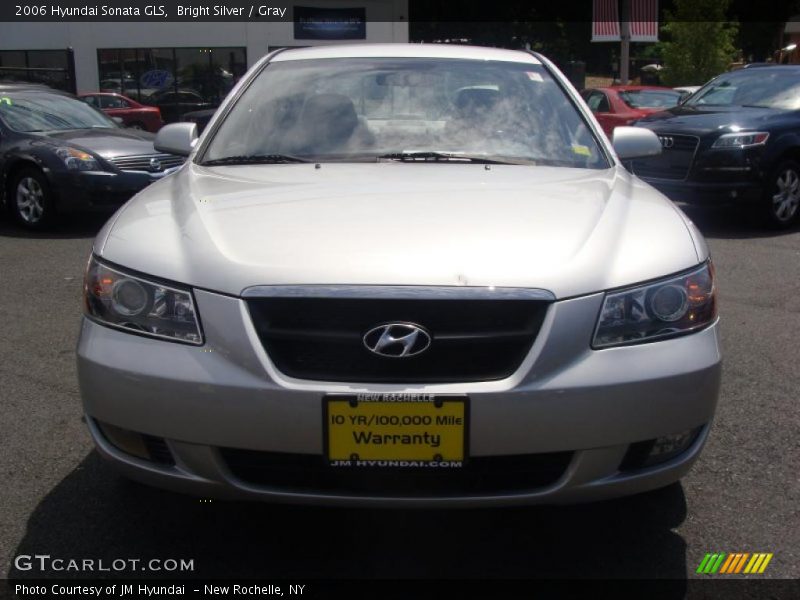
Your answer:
<point x="395" y="430"/>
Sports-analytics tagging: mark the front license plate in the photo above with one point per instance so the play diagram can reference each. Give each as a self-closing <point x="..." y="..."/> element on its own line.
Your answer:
<point x="395" y="430"/>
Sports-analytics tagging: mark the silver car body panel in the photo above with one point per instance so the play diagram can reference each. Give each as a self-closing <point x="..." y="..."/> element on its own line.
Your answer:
<point x="568" y="231"/>
<point x="564" y="396"/>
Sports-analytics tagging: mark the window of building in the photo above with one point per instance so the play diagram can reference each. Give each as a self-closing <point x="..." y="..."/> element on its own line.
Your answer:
<point x="49" y="67"/>
<point x="177" y="80"/>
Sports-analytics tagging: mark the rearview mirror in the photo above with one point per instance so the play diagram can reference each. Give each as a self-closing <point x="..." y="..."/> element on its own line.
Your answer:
<point x="176" y="138"/>
<point x="635" y="142"/>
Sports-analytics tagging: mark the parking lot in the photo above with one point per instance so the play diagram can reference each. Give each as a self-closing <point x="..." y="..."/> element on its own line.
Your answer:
<point x="59" y="498"/>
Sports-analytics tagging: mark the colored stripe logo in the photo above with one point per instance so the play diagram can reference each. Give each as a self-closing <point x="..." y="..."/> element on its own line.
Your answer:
<point x="733" y="563"/>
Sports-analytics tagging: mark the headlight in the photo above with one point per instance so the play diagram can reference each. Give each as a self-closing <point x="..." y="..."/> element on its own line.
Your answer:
<point x="78" y="160"/>
<point x="741" y="140"/>
<point x="129" y="302"/>
<point x="658" y="310"/>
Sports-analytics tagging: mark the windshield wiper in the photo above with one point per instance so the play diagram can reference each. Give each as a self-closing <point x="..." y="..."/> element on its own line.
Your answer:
<point x="437" y="155"/>
<point x="254" y="159"/>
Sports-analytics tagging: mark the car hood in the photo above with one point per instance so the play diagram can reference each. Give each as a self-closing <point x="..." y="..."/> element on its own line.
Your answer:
<point x="709" y="119"/>
<point x="569" y="231"/>
<point x="108" y="142"/>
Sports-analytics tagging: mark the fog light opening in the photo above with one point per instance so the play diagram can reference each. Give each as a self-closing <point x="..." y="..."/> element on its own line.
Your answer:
<point x="671" y="445"/>
<point x="660" y="450"/>
<point x="144" y="447"/>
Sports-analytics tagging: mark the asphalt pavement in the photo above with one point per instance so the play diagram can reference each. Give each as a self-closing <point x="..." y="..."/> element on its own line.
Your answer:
<point x="59" y="498"/>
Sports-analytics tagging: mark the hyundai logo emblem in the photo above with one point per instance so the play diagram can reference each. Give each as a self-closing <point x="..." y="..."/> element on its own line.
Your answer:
<point x="666" y="141"/>
<point x="155" y="165"/>
<point x="397" y="340"/>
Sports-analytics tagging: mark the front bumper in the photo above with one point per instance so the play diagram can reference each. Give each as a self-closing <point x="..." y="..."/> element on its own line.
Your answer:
<point x="708" y="192"/>
<point x="86" y="190"/>
<point x="564" y="397"/>
<point x="715" y="176"/>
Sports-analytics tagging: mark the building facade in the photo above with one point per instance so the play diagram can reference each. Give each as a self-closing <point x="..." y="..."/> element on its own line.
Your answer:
<point x="181" y="66"/>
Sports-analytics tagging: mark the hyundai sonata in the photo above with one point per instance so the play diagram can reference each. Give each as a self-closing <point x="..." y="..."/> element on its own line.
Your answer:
<point x="401" y="275"/>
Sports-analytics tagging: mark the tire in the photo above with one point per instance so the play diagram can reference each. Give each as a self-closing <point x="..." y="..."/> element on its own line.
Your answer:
<point x="781" y="202"/>
<point x="30" y="199"/>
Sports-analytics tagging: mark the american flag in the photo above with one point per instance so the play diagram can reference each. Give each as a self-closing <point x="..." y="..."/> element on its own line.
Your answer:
<point x="605" y="21"/>
<point x="643" y="20"/>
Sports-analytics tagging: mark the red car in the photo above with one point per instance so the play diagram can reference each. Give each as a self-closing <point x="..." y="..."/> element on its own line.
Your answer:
<point x="132" y="113"/>
<point x="623" y="104"/>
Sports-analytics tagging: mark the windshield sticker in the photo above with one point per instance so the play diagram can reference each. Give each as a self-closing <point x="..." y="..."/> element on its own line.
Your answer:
<point x="5" y="100"/>
<point x="582" y="150"/>
<point x="534" y="76"/>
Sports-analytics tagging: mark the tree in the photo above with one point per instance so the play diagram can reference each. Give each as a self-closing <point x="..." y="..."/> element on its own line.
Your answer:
<point x="700" y="42"/>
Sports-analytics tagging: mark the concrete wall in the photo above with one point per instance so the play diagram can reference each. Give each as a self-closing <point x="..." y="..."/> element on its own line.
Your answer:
<point x="86" y="37"/>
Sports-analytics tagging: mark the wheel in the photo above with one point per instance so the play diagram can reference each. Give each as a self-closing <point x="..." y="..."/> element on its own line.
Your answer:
<point x="138" y="126"/>
<point x="782" y="195"/>
<point x="31" y="201"/>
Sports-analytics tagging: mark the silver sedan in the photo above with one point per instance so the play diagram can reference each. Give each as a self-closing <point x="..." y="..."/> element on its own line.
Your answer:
<point x="401" y="275"/>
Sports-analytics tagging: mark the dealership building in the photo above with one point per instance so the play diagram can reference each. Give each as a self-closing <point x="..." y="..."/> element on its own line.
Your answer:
<point x="185" y="65"/>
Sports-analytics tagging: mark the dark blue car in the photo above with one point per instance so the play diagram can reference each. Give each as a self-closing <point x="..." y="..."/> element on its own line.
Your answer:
<point x="59" y="154"/>
<point x="735" y="139"/>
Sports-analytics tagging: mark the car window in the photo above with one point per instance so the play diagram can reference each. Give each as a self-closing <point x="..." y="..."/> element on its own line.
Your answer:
<point x="91" y="100"/>
<point x="769" y="88"/>
<point x="718" y="96"/>
<point x="113" y="102"/>
<point x="42" y="111"/>
<point x="189" y="97"/>
<point x="650" y="98"/>
<point x="598" y="102"/>
<point x="361" y="108"/>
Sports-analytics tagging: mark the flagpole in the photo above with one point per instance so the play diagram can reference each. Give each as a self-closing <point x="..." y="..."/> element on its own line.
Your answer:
<point x="625" y="35"/>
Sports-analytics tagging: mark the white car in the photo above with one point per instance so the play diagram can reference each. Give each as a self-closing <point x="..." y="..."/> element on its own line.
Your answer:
<point x="401" y="275"/>
<point x="687" y="90"/>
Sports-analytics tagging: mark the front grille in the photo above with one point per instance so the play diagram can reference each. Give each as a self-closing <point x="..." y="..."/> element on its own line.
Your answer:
<point x="141" y="162"/>
<point x="322" y="338"/>
<point x="480" y="475"/>
<point x="674" y="162"/>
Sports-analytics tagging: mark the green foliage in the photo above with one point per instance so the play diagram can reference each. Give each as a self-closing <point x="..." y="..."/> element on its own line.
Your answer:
<point x="700" y="42"/>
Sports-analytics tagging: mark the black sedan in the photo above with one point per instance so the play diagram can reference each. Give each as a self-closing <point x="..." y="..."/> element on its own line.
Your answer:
<point x="735" y="139"/>
<point x="59" y="154"/>
<point x="174" y="104"/>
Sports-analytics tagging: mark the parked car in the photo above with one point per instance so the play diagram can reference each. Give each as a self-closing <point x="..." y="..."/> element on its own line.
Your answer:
<point x="130" y="88"/>
<point x="133" y="114"/>
<point x="401" y="274"/>
<point x="199" y="118"/>
<point x="174" y="104"/>
<point x="59" y="154"/>
<point x="737" y="139"/>
<point x="686" y="90"/>
<point x="624" y="104"/>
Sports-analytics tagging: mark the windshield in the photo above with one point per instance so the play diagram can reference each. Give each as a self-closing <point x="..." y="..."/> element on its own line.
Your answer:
<point x="775" y="88"/>
<point x="387" y="108"/>
<point x="650" y="98"/>
<point x="42" y="111"/>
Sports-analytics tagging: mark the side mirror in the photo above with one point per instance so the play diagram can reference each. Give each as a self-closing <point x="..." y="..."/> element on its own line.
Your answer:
<point x="635" y="142"/>
<point x="176" y="138"/>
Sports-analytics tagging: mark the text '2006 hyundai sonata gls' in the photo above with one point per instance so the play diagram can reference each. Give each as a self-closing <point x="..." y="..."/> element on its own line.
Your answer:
<point x="401" y="275"/>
